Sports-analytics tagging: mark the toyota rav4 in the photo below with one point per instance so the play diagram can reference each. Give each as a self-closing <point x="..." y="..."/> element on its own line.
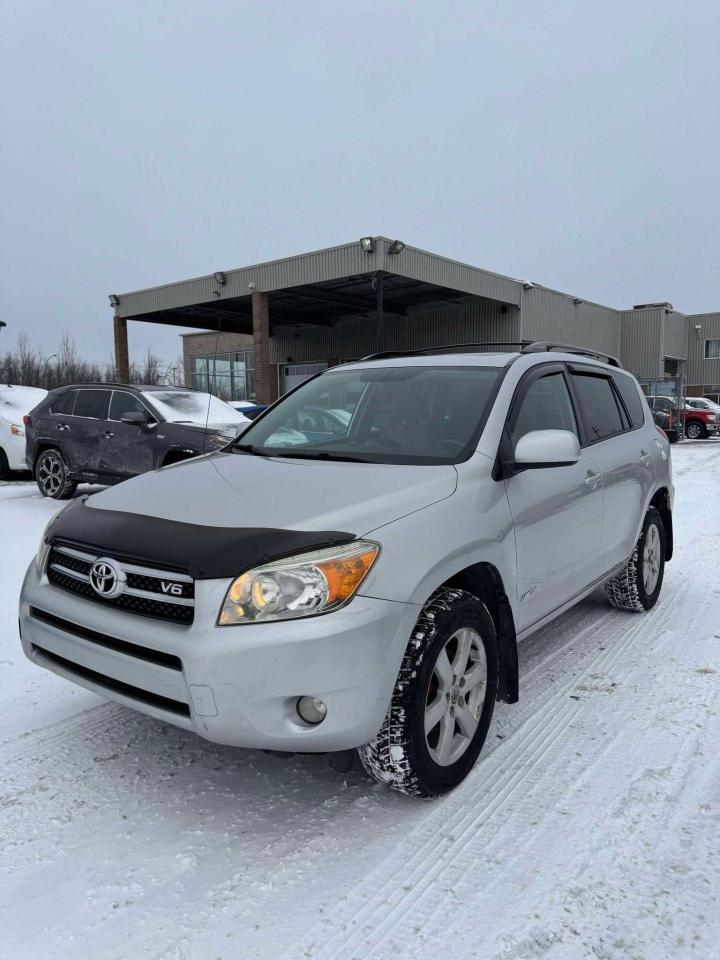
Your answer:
<point x="362" y="580"/>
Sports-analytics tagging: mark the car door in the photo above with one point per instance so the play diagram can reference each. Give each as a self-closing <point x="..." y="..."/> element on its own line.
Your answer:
<point x="613" y="417"/>
<point x="80" y="440"/>
<point x="127" y="449"/>
<point x="556" y="510"/>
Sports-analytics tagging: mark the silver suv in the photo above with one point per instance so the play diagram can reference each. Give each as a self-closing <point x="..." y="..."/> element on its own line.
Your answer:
<point x="357" y="569"/>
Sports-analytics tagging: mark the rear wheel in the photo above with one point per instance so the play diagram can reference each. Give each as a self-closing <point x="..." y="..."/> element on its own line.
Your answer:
<point x="443" y="700"/>
<point x="53" y="477"/>
<point x="638" y="585"/>
<point x="695" y="431"/>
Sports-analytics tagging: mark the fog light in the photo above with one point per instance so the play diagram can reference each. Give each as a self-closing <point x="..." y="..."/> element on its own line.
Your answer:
<point x="311" y="710"/>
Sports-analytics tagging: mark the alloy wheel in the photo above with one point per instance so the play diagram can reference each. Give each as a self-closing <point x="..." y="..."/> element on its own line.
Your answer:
<point x="651" y="559"/>
<point x="693" y="431"/>
<point x="50" y="474"/>
<point x="455" y="697"/>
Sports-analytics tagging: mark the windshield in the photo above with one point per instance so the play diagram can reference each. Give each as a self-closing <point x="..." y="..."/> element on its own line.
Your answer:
<point x="188" y="406"/>
<point x="379" y="415"/>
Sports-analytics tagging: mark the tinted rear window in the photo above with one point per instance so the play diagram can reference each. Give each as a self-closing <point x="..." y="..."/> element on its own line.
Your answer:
<point x="631" y="398"/>
<point x="63" y="403"/>
<point x="92" y="403"/>
<point x="599" y="406"/>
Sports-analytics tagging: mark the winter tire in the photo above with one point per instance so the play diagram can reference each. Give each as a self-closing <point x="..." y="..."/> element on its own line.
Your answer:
<point x="443" y="699"/>
<point x="52" y="476"/>
<point x="638" y="586"/>
<point x="695" y="431"/>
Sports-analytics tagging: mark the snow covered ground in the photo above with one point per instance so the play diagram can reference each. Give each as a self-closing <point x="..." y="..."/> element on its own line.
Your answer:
<point x="590" y="828"/>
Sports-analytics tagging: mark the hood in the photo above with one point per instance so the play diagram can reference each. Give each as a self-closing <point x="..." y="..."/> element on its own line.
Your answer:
<point x="233" y="490"/>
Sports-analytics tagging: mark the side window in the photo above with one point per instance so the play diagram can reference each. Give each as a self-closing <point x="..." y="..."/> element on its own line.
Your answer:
<point x="628" y="390"/>
<point x="64" y="404"/>
<point x="599" y="406"/>
<point x="92" y="403"/>
<point x="545" y="406"/>
<point x="123" y="403"/>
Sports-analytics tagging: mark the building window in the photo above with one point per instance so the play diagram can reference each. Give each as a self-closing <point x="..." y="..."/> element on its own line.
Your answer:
<point x="230" y="376"/>
<point x="712" y="349"/>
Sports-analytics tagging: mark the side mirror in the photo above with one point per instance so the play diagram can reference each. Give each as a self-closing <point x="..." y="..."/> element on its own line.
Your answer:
<point x="547" y="448"/>
<point x="137" y="417"/>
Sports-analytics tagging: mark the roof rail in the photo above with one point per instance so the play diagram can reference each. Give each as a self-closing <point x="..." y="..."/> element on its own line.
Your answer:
<point x="468" y="347"/>
<point x="541" y="346"/>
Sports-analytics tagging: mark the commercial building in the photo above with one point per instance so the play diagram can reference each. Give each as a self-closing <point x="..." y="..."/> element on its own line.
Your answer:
<point x="268" y="326"/>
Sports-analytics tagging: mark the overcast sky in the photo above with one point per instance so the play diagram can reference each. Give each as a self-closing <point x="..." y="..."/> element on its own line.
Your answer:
<point x="575" y="144"/>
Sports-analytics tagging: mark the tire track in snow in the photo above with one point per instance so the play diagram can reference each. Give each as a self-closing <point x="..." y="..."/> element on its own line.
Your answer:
<point x="371" y="914"/>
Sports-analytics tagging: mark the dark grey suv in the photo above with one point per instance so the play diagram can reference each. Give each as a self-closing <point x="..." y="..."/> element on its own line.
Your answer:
<point x="105" y="433"/>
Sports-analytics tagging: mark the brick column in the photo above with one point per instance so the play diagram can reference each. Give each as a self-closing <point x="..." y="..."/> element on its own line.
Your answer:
<point x="266" y="385"/>
<point x="122" y="362"/>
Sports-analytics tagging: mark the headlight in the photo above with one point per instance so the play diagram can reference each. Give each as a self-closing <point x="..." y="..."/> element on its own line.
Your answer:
<point x="16" y="431"/>
<point x="300" y="586"/>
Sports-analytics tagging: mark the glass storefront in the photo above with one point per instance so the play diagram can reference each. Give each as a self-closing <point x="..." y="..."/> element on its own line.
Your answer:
<point x="230" y="376"/>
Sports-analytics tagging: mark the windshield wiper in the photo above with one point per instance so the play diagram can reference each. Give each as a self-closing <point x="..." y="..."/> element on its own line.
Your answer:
<point x="320" y="455"/>
<point x="249" y="448"/>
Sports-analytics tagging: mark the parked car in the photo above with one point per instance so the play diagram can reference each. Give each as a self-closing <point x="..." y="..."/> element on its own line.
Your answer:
<point x="15" y="402"/>
<point x="368" y="589"/>
<point x="249" y="410"/>
<point x="702" y="418"/>
<point x="105" y="433"/>
<point x="669" y="414"/>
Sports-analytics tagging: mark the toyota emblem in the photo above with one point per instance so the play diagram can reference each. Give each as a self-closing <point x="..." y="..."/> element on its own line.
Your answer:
<point x="106" y="578"/>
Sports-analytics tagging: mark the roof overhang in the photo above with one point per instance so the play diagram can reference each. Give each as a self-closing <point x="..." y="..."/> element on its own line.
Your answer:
<point x="318" y="289"/>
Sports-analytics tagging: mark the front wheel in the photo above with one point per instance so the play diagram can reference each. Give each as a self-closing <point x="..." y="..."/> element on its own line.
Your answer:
<point x="443" y="700"/>
<point x="53" y="477"/>
<point x="637" y="586"/>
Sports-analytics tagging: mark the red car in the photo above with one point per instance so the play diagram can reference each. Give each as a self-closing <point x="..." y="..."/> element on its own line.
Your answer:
<point x="700" y="423"/>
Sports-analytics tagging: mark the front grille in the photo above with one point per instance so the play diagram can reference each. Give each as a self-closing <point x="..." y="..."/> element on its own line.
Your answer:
<point x="109" y="643"/>
<point x="162" y="594"/>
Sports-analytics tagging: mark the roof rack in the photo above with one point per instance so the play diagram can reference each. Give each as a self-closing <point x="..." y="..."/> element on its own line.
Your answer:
<point x="541" y="346"/>
<point x="448" y="346"/>
<point x="525" y="346"/>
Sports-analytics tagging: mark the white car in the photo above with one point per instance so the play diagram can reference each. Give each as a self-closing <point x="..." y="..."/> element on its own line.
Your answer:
<point x="15" y="402"/>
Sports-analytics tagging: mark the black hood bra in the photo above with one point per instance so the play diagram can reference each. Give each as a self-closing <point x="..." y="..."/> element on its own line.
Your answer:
<point x="206" y="553"/>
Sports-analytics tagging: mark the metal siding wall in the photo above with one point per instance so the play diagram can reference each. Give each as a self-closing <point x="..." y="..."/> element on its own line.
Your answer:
<point x="421" y="265"/>
<point x="347" y="260"/>
<point x="699" y="370"/>
<point x="642" y="342"/>
<point x="676" y="335"/>
<point x="547" y="315"/>
<point x="353" y="338"/>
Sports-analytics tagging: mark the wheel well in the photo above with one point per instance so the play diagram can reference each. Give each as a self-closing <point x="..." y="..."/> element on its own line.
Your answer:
<point x="484" y="581"/>
<point x="41" y="448"/>
<point x="176" y="456"/>
<point x="661" y="502"/>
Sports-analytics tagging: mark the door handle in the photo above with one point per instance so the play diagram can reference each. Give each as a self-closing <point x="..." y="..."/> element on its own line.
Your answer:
<point x="592" y="479"/>
<point x="645" y="458"/>
<point x="62" y="426"/>
<point x="108" y="434"/>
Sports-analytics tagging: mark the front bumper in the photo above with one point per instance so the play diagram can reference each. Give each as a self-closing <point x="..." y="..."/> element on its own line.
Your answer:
<point x="232" y="685"/>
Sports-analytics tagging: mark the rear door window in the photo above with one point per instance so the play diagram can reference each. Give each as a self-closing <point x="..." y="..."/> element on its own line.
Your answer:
<point x="64" y="404"/>
<point x="631" y="398"/>
<point x="92" y="403"/>
<point x="599" y="406"/>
